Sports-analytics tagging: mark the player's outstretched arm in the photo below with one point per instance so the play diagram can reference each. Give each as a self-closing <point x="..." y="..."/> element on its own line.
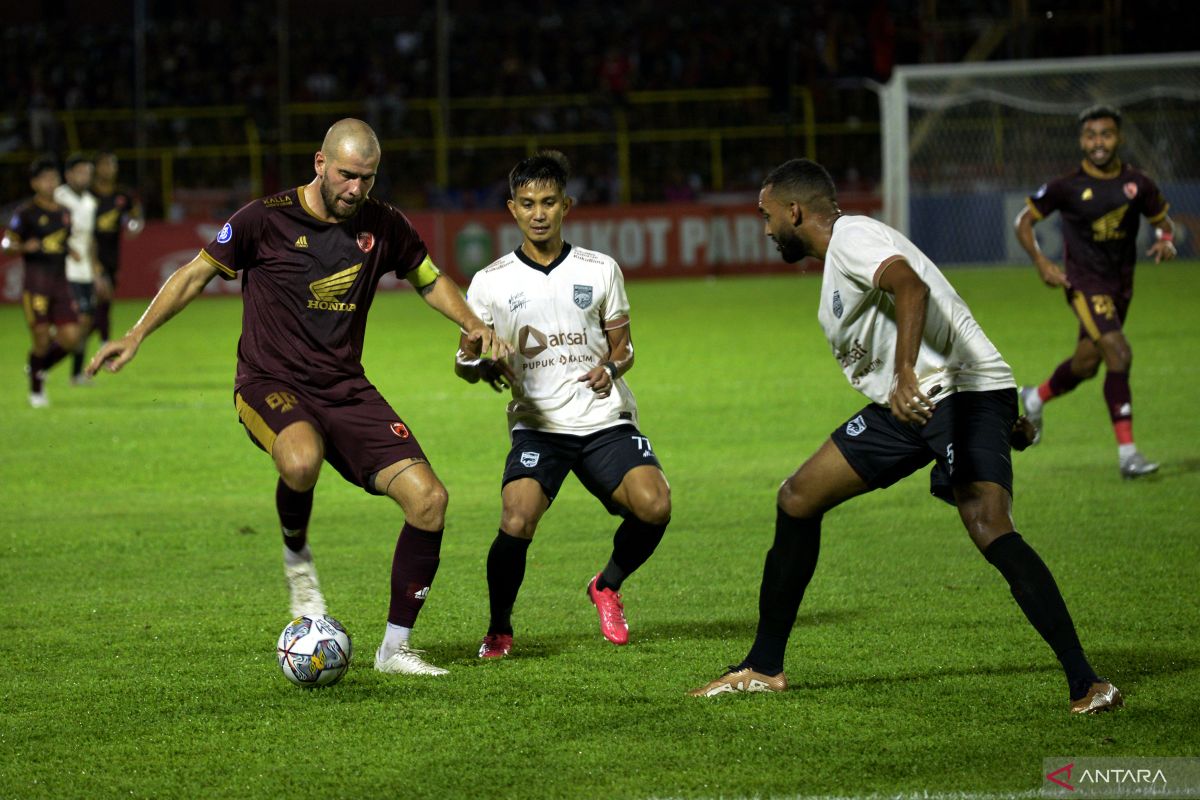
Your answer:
<point x="602" y="377"/>
<point x="1051" y="273"/>
<point x="444" y="296"/>
<point x="184" y="286"/>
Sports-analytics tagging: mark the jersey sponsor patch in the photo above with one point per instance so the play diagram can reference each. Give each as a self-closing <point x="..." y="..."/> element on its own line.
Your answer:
<point x="583" y="295"/>
<point x="529" y="459"/>
<point x="226" y="234"/>
<point x="856" y="426"/>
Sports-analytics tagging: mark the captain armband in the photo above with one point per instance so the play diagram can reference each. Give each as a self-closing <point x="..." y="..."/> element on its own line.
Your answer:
<point x="423" y="276"/>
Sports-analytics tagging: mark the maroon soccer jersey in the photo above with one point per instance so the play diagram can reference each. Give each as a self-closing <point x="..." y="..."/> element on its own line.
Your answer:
<point x="307" y="285"/>
<point x="50" y="225"/>
<point x="111" y="212"/>
<point x="1100" y="218"/>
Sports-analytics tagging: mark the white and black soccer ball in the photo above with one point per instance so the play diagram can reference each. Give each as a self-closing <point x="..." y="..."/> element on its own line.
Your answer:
<point x="314" y="650"/>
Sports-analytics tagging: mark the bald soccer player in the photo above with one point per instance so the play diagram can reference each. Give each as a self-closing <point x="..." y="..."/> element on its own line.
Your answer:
<point x="311" y="259"/>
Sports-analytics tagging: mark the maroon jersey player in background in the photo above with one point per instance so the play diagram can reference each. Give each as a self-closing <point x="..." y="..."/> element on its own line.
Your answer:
<point x="310" y="260"/>
<point x="118" y="210"/>
<point x="1101" y="204"/>
<point x="38" y="232"/>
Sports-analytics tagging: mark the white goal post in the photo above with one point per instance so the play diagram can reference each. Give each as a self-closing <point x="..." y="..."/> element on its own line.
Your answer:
<point x="964" y="144"/>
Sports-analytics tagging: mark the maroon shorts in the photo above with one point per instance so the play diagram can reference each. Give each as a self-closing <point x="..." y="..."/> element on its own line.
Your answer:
<point x="1100" y="308"/>
<point x="47" y="299"/>
<point x="362" y="433"/>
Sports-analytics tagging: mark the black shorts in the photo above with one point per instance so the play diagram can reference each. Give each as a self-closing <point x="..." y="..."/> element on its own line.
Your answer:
<point x="968" y="436"/>
<point x="600" y="460"/>
<point x="362" y="433"/>
<point x="84" y="295"/>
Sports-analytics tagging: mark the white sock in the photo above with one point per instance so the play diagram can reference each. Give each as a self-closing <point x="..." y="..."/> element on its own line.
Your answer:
<point x="295" y="559"/>
<point x="1124" y="451"/>
<point x="1033" y="402"/>
<point x="394" y="637"/>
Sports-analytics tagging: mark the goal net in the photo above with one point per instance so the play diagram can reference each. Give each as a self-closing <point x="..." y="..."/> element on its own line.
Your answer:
<point x="965" y="144"/>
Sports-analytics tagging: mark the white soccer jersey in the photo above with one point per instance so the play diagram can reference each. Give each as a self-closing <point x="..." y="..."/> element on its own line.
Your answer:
<point x="82" y="208"/>
<point x="555" y="319"/>
<point x="859" y="318"/>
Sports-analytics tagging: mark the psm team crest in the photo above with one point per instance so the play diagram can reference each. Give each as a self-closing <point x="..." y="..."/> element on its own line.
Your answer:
<point x="583" y="296"/>
<point x="366" y="241"/>
<point x="856" y="426"/>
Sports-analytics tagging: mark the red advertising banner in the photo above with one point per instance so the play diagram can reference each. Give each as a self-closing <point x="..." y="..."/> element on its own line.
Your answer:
<point x="648" y="241"/>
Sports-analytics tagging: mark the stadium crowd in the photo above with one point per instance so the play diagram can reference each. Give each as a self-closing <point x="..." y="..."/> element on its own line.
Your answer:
<point x="65" y="56"/>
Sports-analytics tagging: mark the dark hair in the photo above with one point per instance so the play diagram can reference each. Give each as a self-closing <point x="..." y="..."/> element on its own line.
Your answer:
<point x="548" y="166"/>
<point x="43" y="163"/>
<point x="1099" y="112"/>
<point x="76" y="159"/>
<point x="802" y="180"/>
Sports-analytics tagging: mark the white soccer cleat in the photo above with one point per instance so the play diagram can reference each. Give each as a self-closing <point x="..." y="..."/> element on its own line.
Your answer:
<point x="1135" y="465"/>
<point x="38" y="400"/>
<point x="406" y="661"/>
<point x="305" y="588"/>
<point x="1029" y="402"/>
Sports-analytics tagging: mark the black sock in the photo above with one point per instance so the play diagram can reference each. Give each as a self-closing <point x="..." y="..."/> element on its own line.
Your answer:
<point x="76" y="362"/>
<point x="1037" y="594"/>
<point x="37" y="372"/>
<point x="414" y="565"/>
<point x="103" y="317"/>
<point x="505" y="572"/>
<point x="633" y="544"/>
<point x="294" y="509"/>
<point x="55" y="354"/>
<point x="789" y="567"/>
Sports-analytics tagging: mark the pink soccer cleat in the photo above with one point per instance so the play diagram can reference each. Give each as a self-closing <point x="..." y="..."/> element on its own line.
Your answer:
<point x="612" y="613"/>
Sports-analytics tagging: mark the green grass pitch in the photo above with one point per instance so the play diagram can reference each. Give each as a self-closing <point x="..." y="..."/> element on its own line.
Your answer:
<point x="143" y="594"/>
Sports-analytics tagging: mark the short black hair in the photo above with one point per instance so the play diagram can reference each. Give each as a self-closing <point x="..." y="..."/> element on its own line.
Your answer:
<point x="77" y="158"/>
<point x="803" y="180"/>
<point x="547" y="166"/>
<point x="43" y="163"/>
<point x="1099" y="112"/>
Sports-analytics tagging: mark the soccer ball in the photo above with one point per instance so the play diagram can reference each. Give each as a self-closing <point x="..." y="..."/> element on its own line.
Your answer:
<point x="314" y="651"/>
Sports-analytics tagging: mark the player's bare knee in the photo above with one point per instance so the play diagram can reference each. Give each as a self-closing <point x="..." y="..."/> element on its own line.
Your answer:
<point x="653" y="507"/>
<point x="794" y="500"/>
<point x="516" y="523"/>
<point x="299" y="470"/>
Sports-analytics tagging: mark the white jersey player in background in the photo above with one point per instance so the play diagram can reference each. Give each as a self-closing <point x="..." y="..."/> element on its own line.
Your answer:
<point x="84" y="275"/>
<point x="564" y="311"/>
<point x="939" y="391"/>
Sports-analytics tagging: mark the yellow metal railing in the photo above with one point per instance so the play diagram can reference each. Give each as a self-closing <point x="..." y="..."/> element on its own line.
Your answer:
<point x="434" y="130"/>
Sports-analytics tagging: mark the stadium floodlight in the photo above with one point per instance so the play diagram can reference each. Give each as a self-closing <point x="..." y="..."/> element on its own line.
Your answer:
<point x="964" y="144"/>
